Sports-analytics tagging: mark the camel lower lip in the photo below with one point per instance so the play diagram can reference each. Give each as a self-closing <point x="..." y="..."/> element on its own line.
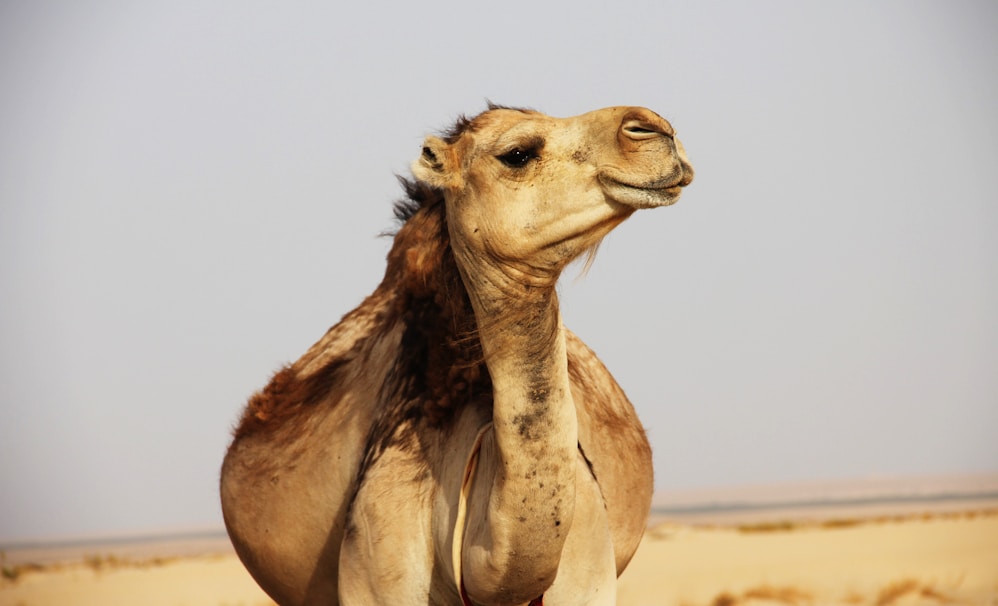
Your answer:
<point x="638" y="196"/>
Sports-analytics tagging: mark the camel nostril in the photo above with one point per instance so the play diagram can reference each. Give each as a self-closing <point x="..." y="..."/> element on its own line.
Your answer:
<point x="639" y="130"/>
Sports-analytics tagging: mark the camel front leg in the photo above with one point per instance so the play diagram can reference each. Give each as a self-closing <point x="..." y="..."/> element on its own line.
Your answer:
<point x="587" y="575"/>
<point x="586" y="572"/>
<point x="386" y="555"/>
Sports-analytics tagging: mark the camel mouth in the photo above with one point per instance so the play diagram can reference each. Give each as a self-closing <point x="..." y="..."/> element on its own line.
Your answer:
<point x="650" y="194"/>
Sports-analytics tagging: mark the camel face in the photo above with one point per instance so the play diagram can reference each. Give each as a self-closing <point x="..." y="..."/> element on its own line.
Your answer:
<point x="534" y="191"/>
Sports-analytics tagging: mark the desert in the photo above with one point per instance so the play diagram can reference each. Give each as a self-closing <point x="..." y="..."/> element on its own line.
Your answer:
<point x="876" y="543"/>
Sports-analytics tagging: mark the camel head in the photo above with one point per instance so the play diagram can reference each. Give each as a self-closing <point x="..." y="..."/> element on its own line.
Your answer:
<point x="529" y="193"/>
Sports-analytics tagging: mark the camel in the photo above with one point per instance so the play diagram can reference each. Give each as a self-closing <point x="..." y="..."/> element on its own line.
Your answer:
<point x="449" y="441"/>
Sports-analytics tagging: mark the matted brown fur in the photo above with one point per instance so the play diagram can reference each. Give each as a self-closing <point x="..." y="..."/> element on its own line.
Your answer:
<point x="439" y="363"/>
<point x="441" y="358"/>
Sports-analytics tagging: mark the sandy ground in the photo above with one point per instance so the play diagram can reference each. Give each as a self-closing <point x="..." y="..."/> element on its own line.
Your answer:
<point x="945" y="557"/>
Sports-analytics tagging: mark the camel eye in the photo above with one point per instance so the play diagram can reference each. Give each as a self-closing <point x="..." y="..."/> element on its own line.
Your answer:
<point x="518" y="158"/>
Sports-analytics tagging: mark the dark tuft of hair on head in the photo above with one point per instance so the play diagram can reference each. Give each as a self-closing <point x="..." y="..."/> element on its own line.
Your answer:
<point x="418" y="195"/>
<point x="463" y="123"/>
<point x="460" y="126"/>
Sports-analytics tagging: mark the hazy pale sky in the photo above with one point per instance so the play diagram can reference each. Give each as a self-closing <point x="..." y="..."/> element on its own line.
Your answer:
<point x="191" y="193"/>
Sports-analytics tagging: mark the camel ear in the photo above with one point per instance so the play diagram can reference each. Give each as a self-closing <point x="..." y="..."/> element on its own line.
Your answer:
<point x="437" y="165"/>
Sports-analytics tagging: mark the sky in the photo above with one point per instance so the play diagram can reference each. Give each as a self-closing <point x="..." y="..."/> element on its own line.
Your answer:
<point x="191" y="193"/>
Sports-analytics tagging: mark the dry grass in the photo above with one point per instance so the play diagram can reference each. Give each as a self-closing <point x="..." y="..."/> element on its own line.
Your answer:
<point x="899" y="589"/>
<point x="889" y="595"/>
<point x="97" y="563"/>
<point x="895" y="591"/>
<point x="791" y="596"/>
<point x="12" y="573"/>
<point x="778" y="526"/>
<point x="842" y="523"/>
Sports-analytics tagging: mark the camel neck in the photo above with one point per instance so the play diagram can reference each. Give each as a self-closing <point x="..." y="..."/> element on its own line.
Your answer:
<point x="534" y="422"/>
<point x="533" y="411"/>
<point x="523" y="342"/>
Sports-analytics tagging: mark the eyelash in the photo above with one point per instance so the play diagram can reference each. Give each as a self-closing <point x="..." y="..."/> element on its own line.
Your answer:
<point x="518" y="158"/>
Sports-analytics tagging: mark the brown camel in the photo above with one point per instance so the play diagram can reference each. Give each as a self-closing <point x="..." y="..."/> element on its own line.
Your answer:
<point x="450" y="441"/>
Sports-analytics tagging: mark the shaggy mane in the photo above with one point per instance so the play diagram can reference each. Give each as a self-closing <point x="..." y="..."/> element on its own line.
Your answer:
<point x="439" y="364"/>
<point x="417" y="195"/>
<point x="440" y="358"/>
